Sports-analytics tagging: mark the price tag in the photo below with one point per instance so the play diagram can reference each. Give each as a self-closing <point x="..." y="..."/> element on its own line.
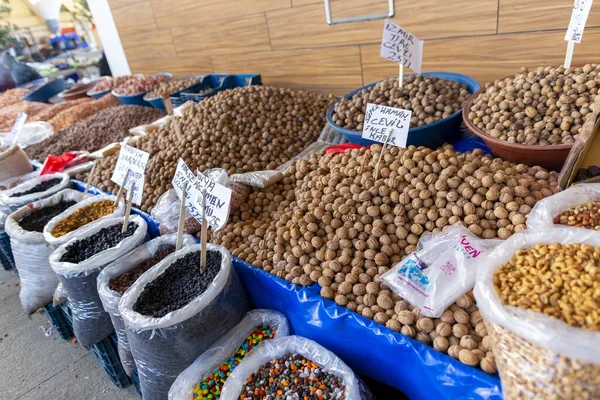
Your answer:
<point x="379" y="119"/>
<point x="581" y="10"/>
<point x="130" y="159"/>
<point x="135" y="182"/>
<point x="185" y="177"/>
<point x="396" y="40"/>
<point x="218" y="198"/>
<point x="16" y="129"/>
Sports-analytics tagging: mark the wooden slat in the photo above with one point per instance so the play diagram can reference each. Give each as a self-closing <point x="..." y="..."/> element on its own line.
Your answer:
<point x="174" y="13"/>
<point x="479" y="56"/>
<point x="179" y="67"/>
<point x="337" y="91"/>
<point x="304" y="27"/>
<point x="531" y="15"/>
<point x="148" y="45"/>
<point x="236" y="35"/>
<point x="299" y="3"/>
<point x="314" y="67"/>
<point x="134" y="18"/>
<point x="122" y="3"/>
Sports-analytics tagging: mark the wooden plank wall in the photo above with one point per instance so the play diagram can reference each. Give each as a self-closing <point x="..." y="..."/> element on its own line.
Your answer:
<point x="290" y="44"/>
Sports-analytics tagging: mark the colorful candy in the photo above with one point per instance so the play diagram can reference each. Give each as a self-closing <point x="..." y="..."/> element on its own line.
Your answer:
<point x="292" y="377"/>
<point x="209" y="388"/>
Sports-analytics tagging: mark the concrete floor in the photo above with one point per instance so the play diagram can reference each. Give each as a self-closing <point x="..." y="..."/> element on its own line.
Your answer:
<point x="33" y="366"/>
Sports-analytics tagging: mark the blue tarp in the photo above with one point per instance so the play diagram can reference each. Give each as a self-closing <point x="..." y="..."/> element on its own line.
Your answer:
<point x="367" y="347"/>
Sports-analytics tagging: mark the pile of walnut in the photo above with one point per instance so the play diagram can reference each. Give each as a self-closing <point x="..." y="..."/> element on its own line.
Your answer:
<point x="330" y="222"/>
<point x="241" y="130"/>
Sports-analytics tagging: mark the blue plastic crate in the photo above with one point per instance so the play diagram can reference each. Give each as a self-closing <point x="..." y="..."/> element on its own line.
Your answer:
<point x="65" y="308"/>
<point x="136" y="381"/>
<point x="59" y="321"/>
<point x="157" y="102"/>
<point x="106" y="353"/>
<point x="218" y="82"/>
<point x="8" y="261"/>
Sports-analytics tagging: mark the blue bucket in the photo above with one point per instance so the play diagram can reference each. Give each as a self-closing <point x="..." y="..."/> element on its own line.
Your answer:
<point x="157" y="102"/>
<point x="44" y="92"/>
<point x="431" y="135"/>
<point x="137" y="99"/>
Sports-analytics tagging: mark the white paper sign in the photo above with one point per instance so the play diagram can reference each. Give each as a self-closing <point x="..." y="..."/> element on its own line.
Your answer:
<point x="218" y="198"/>
<point x="184" y="176"/>
<point x="137" y="181"/>
<point x="130" y="159"/>
<point x="16" y="129"/>
<point x="396" y="40"/>
<point x="379" y="119"/>
<point x="581" y="10"/>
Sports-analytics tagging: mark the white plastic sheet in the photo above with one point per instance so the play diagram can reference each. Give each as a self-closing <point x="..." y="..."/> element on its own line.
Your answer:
<point x="90" y="322"/>
<point x="31" y="253"/>
<point x="10" y="204"/>
<point x="163" y="347"/>
<point x="224" y="348"/>
<point x="57" y="241"/>
<point x="110" y="299"/>
<point x="279" y="347"/>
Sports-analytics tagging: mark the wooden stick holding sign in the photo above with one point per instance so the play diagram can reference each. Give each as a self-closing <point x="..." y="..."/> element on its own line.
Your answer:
<point x="168" y="104"/>
<point x="181" y="218"/>
<point x="401" y="72"/>
<point x="88" y="181"/>
<point x="390" y="131"/>
<point x="121" y="187"/>
<point x="128" y="208"/>
<point x="581" y="10"/>
<point x="204" y="232"/>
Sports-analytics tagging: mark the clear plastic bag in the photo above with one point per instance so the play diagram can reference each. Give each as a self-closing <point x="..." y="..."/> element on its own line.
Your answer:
<point x="163" y="347"/>
<point x="279" y="347"/>
<point x="443" y="268"/>
<point x="31" y="253"/>
<point x="538" y="356"/>
<point x="31" y="133"/>
<point x="91" y="323"/>
<point x="10" y="204"/>
<point x="543" y="213"/>
<point x="224" y="348"/>
<point x="110" y="299"/>
<point x="58" y="241"/>
<point x="166" y="212"/>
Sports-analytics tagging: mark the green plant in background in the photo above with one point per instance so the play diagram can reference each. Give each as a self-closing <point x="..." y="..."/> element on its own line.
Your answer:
<point x="81" y="10"/>
<point x="6" y="27"/>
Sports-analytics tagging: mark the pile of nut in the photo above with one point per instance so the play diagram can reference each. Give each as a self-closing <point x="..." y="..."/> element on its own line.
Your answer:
<point x="171" y="86"/>
<point x="583" y="216"/>
<point x="542" y="106"/>
<point x="139" y="85"/>
<point x="12" y="96"/>
<point x="244" y="129"/>
<point x="111" y="82"/>
<point x="429" y="98"/>
<point x="82" y="111"/>
<point x="9" y="114"/>
<point x="329" y="221"/>
<point x="56" y="109"/>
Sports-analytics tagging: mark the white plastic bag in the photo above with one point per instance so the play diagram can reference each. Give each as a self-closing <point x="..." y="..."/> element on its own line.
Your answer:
<point x="31" y="133"/>
<point x="14" y="181"/>
<point x="31" y="253"/>
<point x="443" y="268"/>
<point x="58" y="241"/>
<point x="91" y="323"/>
<point x="543" y="213"/>
<point x="282" y="346"/>
<point x="110" y="299"/>
<point x="224" y="348"/>
<point x="163" y="347"/>
<point x="538" y="356"/>
<point x="10" y="204"/>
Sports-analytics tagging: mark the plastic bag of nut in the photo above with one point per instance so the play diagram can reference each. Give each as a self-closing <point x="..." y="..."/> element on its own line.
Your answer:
<point x="180" y="315"/>
<point x="32" y="190"/>
<point x="327" y="364"/>
<point x="563" y="208"/>
<point x="536" y="294"/>
<point x="225" y="348"/>
<point x="96" y="247"/>
<point x="110" y="298"/>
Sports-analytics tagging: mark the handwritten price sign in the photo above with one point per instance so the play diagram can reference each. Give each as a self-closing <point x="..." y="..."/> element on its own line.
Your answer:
<point x="378" y="121"/>
<point x="579" y="16"/>
<point x="130" y="159"/>
<point x="396" y="40"/>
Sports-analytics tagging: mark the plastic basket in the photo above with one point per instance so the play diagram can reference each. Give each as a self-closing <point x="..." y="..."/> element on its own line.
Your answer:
<point x="67" y="314"/>
<point x="106" y="353"/>
<point x="8" y="261"/>
<point x="157" y="102"/>
<point x="136" y="381"/>
<point x="59" y="321"/>
<point x="218" y="82"/>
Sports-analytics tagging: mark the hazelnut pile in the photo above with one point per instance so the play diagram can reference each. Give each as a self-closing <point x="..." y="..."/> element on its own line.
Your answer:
<point x="329" y="221"/>
<point x="430" y="99"/>
<point x="244" y="129"/>
<point x="171" y="86"/>
<point x="111" y="82"/>
<point x="542" y="106"/>
<point x="139" y="85"/>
